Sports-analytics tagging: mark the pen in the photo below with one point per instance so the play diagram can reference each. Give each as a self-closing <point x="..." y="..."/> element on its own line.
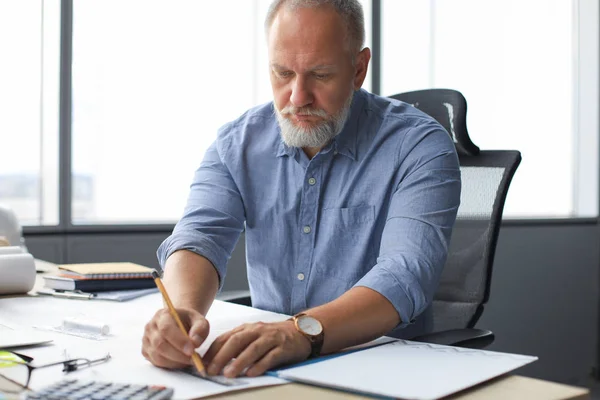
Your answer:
<point x="195" y="356"/>
<point x="68" y="295"/>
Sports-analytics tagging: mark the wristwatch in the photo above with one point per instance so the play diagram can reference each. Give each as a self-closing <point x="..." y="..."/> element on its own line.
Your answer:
<point x="312" y="329"/>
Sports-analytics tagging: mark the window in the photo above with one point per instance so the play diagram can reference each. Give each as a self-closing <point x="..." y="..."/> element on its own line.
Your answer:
<point x="149" y="95"/>
<point x="29" y="77"/>
<point x="529" y="71"/>
<point x="153" y="80"/>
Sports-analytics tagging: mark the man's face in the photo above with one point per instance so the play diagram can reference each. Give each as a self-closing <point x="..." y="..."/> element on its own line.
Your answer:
<point x="312" y="74"/>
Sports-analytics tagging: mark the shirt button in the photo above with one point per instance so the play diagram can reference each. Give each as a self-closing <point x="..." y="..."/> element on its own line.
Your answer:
<point x="312" y="181"/>
<point x="300" y="276"/>
<point x="306" y="229"/>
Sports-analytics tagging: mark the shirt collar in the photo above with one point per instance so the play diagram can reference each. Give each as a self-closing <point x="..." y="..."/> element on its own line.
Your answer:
<point x="346" y="141"/>
<point x="283" y="149"/>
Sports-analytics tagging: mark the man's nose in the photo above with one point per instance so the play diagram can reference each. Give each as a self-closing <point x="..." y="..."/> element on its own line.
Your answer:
<point x="301" y="93"/>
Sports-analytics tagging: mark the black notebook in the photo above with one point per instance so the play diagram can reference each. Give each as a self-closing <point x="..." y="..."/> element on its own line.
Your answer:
<point x="58" y="282"/>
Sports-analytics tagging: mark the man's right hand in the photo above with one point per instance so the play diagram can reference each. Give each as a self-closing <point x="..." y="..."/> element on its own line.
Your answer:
<point x="165" y="346"/>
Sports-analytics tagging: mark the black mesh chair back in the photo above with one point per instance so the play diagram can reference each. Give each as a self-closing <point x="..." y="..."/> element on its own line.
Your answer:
<point x="486" y="175"/>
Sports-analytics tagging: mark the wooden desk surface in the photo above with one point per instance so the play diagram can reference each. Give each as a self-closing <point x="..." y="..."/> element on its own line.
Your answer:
<point x="503" y="388"/>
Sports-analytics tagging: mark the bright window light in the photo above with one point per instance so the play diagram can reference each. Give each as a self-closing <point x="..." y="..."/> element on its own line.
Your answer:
<point x="529" y="86"/>
<point x="29" y="78"/>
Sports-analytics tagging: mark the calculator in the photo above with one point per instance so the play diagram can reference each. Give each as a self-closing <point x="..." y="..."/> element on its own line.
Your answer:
<point x="75" y="389"/>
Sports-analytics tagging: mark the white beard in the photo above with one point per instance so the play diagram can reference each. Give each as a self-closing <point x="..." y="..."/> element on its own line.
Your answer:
<point x="317" y="136"/>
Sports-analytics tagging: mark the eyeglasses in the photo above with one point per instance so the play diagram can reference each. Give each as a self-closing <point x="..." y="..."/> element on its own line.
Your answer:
<point x="16" y="369"/>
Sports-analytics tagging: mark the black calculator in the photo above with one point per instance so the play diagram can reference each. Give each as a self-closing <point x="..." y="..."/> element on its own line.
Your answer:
<point x="74" y="389"/>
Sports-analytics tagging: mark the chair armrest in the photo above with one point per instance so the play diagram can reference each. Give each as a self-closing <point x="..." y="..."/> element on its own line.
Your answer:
<point x="468" y="337"/>
<point x="236" y="296"/>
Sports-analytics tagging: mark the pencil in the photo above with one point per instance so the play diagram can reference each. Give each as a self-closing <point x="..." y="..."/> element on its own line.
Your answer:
<point x="195" y="356"/>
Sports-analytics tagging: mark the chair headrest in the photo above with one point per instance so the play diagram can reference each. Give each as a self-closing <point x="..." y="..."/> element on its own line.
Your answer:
<point x="449" y="108"/>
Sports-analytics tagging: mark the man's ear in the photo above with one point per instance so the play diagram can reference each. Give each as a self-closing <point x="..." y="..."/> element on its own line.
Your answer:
<point x="361" y="67"/>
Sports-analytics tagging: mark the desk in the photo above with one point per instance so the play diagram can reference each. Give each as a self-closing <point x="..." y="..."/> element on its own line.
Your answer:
<point x="129" y="325"/>
<point x="509" y="387"/>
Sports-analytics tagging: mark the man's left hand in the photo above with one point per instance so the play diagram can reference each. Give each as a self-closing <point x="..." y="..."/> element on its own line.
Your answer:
<point x="255" y="348"/>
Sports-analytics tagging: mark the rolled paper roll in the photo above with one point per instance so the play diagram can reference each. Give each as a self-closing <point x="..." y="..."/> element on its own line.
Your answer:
<point x="85" y="325"/>
<point x="10" y="250"/>
<point x="17" y="273"/>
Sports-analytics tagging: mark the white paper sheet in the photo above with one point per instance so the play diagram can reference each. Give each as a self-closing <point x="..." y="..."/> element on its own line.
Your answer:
<point x="11" y="336"/>
<point x="126" y="321"/>
<point x="408" y="370"/>
<point x="402" y="369"/>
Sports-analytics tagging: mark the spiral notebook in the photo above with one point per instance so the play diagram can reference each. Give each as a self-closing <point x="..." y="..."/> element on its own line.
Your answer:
<point x="119" y="270"/>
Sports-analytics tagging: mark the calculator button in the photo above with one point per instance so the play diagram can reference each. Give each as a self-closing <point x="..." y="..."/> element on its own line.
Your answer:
<point x="163" y="395"/>
<point x="61" y="393"/>
<point x="101" y="395"/>
<point x="118" y="396"/>
<point x="84" y="396"/>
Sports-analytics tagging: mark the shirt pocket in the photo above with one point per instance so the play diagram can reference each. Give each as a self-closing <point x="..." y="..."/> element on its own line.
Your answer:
<point x="344" y="246"/>
<point x="347" y="218"/>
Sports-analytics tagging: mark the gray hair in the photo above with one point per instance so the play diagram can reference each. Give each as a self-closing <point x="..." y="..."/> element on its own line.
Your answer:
<point x="350" y="10"/>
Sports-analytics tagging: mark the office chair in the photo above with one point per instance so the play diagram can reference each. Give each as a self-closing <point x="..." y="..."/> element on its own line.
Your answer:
<point x="486" y="175"/>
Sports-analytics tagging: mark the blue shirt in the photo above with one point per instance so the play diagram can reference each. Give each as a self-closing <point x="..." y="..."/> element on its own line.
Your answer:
<point x="374" y="208"/>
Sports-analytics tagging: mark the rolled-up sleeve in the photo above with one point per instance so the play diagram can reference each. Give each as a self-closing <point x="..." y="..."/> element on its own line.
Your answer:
<point x="213" y="217"/>
<point x="419" y="222"/>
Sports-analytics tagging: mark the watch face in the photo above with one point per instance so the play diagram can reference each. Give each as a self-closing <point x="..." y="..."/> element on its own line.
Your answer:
<point x="309" y="325"/>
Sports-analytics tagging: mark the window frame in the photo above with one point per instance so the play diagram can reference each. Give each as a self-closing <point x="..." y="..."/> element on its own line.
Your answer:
<point x="587" y="120"/>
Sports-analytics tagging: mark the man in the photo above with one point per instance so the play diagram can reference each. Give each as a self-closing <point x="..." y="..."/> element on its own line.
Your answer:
<point x="347" y="200"/>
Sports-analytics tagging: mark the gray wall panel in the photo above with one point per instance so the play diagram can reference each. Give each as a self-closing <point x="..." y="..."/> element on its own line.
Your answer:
<point x="49" y="248"/>
<point x="236" y="278"/>
<point x="139" y="248"/>
<point x="544" y="299"/>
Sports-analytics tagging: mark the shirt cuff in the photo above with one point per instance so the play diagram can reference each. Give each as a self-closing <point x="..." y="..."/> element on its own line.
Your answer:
<point x="198" y="243"/>
<point x="401" y="289"/>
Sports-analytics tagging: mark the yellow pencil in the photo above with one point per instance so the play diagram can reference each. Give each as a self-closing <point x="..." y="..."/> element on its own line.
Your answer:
<point x="195" y="356"/>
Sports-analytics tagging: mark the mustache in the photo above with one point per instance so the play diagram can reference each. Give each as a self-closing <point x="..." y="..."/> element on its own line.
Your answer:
<point x="308" y="111"/>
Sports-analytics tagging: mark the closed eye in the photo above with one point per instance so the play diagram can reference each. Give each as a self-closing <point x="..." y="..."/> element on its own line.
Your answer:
<point x="284" y="74"/>
<point x="321" y="76"/>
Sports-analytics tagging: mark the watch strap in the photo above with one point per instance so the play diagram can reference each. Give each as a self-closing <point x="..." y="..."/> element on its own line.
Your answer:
<point x="316" y="341"/>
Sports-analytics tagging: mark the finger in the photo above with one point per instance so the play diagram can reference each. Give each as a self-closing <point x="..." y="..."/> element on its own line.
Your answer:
<point x="169" y="331"/>
<point x="199" y="330"/>
<point x="151" y="350"/>
<point x="149" y="331"/>
<point x="216" y="346"/>
<point x="161" y="348"/>
<point x="236" y="343"/>
<point x="145" y="347"/>
<point x="272" y="359"/>
<point x="249" y="356"/>
<point x="164" y="362"/>
<point x="220" y="341"/>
